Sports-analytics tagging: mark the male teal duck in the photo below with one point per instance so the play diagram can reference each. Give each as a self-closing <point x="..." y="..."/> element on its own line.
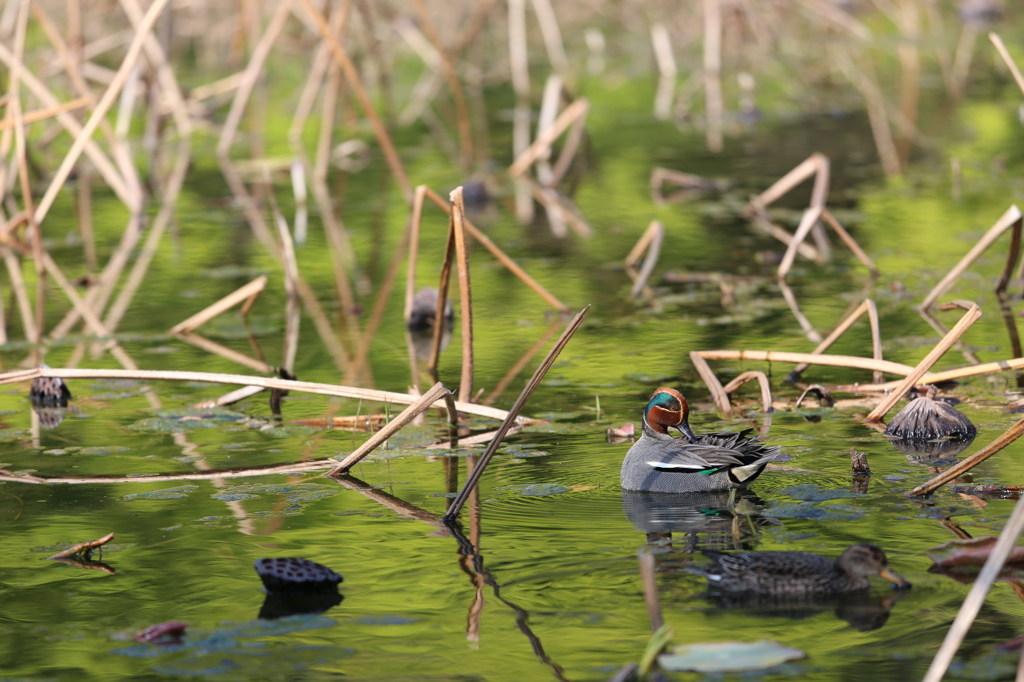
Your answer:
<point x="713" y="461"/>
<point x="796" y="574"/>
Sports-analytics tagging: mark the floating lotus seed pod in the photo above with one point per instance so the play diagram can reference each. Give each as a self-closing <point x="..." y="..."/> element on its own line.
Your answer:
<point x="295" y="575"/>
<point x="49" y="392"/>
<point x="926" y="419"/>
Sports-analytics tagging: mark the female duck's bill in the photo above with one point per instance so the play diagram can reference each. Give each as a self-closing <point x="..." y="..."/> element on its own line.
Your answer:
<point x="713" y="461"/>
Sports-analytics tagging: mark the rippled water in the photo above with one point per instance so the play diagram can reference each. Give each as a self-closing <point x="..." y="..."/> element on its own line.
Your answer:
<point x="554" y="590"/>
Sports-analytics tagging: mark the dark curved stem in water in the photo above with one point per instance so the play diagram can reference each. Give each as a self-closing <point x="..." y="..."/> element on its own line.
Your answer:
<point x="476" y="561"/>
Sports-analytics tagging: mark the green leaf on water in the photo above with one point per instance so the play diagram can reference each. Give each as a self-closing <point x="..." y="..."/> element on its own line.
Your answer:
<point x="717" y="657"/>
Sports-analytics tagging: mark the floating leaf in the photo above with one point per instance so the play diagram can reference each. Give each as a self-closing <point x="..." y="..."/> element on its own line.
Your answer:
<point x="290" y="431"/>
<point x="103" y="450"/>
<point x="812" y="493"/>
<point x="717" y="657"/>
<point x="233" y="497"/>
<point x="165" y="494"/>
<point x="969" y="552"/>
<point x="538" y="488"/>
<point x="809" y="510"/>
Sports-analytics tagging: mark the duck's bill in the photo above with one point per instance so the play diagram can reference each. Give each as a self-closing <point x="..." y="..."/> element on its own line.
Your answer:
<point x="892" y="577"/>
<point x="684" y="429"/>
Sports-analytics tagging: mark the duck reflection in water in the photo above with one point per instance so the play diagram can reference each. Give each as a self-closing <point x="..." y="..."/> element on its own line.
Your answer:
<point x="420" y="322"/>
<point x="707" y="520"/>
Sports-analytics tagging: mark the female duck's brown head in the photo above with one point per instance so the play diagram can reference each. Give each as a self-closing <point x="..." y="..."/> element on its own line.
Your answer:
<point x="667" y="409"/>
<point x="863" y="560"/>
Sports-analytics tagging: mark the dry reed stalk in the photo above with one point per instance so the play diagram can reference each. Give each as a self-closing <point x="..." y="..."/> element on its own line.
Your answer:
<point x="317" y="72"/>
<point x="250" y="290"/>
<point x="413" y="232"/>
<point x="244" y="380"/>
<point x="28" y="318"/>
<point x="291" y="278"/>
<point x="49" y="112"/>
<point x="514" y="371"/>
<point x="72" y="67"/>
<point x="395" y="504"/>
<point x="442" y="299"/>
<point x="502" y="257"/>
<point x="942" y="329"/>
<point x="650" y="587"/>
<point x="365" y="339"/>
<point x="878" y="118"/>
<point x="659" y="176"/>
<point x="761" y="221"/>
<point x="478" y="439"/>
<point x="805" y="324"/>
<point x="21" y="155"/>
<point x="650" y="243"/>
<point x="558" y="203"/>
<point x="762" y="380"/>
<point x="869" y="307"/>
<point x="229" y="398"/>
<point x="354" y="82"/>
<point x="850" y="242"/>
<point x="97" y="296"/>
<point x="328" y="117"/>
<point x="365" y="422"/>
<point x="962" y="60"/>
<point x="712" y="71"/>
<point x="156" y="231"/>
<point x="458" y="96"/>
<point x="848" y="361"/>
<point x="939" y="377"/>
<point x="344" y="259"/>
<point x="548" y="112"/>
<point x="839" y="17"/>
<point x="552" y="36"/>
<point x="569" y="149"/>
<point x="293" y="469"/>
<point x="225" y="352"/>
<point x="169" y="87"/>
<point x="518" y="54"/>
<point x="808" y="222"/>
<point x="458" y="227"/>
<point x="1011" y="219"/>
<point x="88" y="314"/>
<point x="83" y="211"/>
<point x="816" y="165"/>
<point x="252" y="72"/>
<point x="667" y="71"/>
<point x="393" y="427"/>
<point x="542" y="144"/>
<point x="309" y="299"/>
<point x="969" y="318"/>
<point x="1005" y="54"/>
<point x="962" y="467"/>
<point x="976" y="597"/>
<point x="474" y="477"/>
<point x="98" y="114"/>
<point x="908" y="23"/>
<point x="92" y="544"/>
<point x="216" y="88"/>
